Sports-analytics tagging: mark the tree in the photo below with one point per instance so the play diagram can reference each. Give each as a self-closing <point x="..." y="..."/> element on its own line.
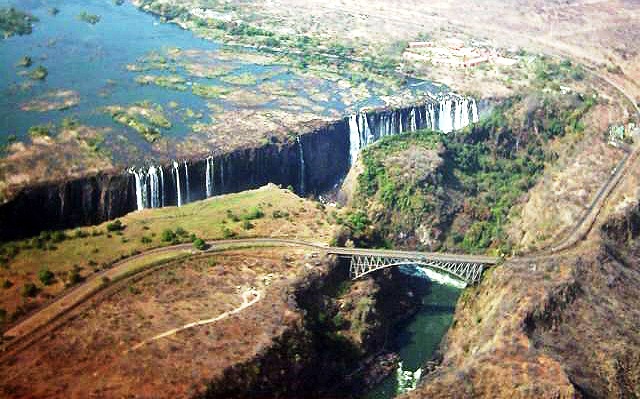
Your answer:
<point x="168" y="235"/>
<point x="200" y="244"/>
<point x="45" y="276"/>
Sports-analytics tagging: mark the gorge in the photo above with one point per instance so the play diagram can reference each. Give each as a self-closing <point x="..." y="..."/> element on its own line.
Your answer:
<point x="328" y="149"/>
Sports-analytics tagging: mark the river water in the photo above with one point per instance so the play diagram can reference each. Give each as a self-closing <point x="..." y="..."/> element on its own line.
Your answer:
<point x="91" y="60"/>
<point x="418" y="340"/>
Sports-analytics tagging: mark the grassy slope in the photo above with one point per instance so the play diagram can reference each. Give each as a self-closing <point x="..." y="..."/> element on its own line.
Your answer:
<point x="210" y="219"/>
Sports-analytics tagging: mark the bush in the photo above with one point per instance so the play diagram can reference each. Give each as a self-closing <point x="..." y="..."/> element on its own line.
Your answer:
<point x="168" y="236"/>
<point x="181" y="232"/>
<point x="228" y="233"/>
<point x="254" y="213"/>
<point x="7" y="284"/>
<point x="145" y="240"/>
<point x="247" y="225"/>
<point x="45" y="276"/>
<point x="200" y="244"/>
<point x="29" y="290"/>
<point x="58" y="236"/>
<point x="115" y="226"/>
<point x="73" y="276"/>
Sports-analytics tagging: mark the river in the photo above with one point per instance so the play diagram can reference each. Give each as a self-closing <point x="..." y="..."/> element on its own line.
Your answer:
<point x="418" y="340"/>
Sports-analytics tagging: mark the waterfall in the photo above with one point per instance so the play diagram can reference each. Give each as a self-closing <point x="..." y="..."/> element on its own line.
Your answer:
<point x="176" y="171"/>
<point x="162" y="186"/>
<point x="154" y="186"/>
<point x="413" y="125"/>
<point x="457" y="116"/>
<point x="139" y="199"/>
<point x="222" y="173"/>
<point x="186" y="173"/>
<point x="464" y="117"/>
<point x="444" y="118"/>
<point x="209" y="177"/>
<point x="474" y="112"/>
<point x="301" y="152"/>
<point x="432" y="117"/>
<point x="354" y="138"/>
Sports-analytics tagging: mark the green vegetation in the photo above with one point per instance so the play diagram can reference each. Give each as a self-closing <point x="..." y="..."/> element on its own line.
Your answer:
<point x="29" y="290"/>
<point x="89" y="18"/>
<point x="199" y="244"/>
<point x="488" y="169"/>
<point x="40" y="73"/>
<point x="14" y="22"/>
<point x="144" y="117"/>
<point x="115" y="226"/>
<point x="245" y="79"/>
<point x="41" y="131"/>
<point x="208" y="91"/>
<point x="173" y="82"/>
<point x="45" y="276"/>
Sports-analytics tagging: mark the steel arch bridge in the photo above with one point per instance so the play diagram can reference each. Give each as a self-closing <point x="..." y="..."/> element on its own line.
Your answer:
<point x="468" y="272"/>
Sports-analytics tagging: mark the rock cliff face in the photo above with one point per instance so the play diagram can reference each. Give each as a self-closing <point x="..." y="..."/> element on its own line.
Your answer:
<point x="94" y="199"/>
<point x="557" y="327"/>
<point x="312" y="162"/>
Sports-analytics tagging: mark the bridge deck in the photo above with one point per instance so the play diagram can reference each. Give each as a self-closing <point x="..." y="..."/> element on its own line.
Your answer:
<point x="436" y="256"/>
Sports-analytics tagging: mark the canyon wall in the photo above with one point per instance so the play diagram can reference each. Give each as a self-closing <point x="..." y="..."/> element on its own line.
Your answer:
<point x="312" y="163"/>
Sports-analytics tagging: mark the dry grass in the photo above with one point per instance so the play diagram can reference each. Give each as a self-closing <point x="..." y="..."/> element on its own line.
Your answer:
<point x="208" y="219"/>
<point x="88" y="356"/>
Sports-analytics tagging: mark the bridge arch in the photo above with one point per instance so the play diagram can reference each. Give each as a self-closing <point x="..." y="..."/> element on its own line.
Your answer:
<point x="468" y="272"/>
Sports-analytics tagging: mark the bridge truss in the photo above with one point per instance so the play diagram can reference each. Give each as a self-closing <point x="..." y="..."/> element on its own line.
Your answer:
<point x="469" y="272"/>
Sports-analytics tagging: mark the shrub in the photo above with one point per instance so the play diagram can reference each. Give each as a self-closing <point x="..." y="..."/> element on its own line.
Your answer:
<point x="200" y="244"/>
<point x="145" y="240"/>
<point x="6" y="284"/>
<point x="58" y="236"/>
<point x="254" y="213"/>
<point x="73" y="276"/>
<point x="3" y="315"/>
<point x="115" y="226"/>
<point x="247" y="225"/>
<point x="168" y="235"/>
<point x="46" y="276"/>
<point x="181" y="232"/>
<point x="29" y="290"/>
<point x="228" y="233"/>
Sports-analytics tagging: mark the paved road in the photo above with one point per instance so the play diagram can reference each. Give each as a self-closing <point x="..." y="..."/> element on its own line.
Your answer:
<point x="132" y="265"/>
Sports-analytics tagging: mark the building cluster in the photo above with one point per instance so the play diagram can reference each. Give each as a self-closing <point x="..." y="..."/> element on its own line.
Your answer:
<point x="454" y="52"/>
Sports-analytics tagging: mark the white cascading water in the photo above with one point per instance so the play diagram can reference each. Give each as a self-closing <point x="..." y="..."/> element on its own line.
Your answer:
<point x="139" y="199"/>
<point x="301" y="152"/>
<point x="444" y="117"/>
<point x="457" y="115"/>
<point x="154" y="187"/>
<point x="354" y="139"/>
<point x="407" y="379"/>
<point x="413" y="125"/>
<point x="176" y="170"/>
<point x="474" y="112"/>
<point x="464" y="115"/>
<point x="209" y="177"/>
<point x="162" y="186"/>
<point x="186" y="174"/>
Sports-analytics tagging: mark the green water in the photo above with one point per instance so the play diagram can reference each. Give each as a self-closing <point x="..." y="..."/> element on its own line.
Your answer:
<point x="418" y="340"/>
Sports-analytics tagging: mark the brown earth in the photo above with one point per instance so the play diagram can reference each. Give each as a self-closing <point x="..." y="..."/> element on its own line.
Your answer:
<point x="92" y="355"/>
